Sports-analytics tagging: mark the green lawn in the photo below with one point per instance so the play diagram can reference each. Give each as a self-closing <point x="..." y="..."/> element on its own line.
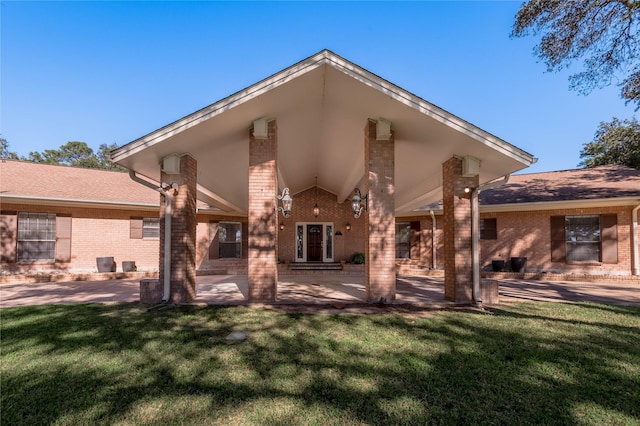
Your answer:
<point x="536" y="363"/>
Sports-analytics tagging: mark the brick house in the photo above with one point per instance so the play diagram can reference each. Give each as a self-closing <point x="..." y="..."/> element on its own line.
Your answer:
<point x="572" y="221"/>
<point x="220" y="173"/>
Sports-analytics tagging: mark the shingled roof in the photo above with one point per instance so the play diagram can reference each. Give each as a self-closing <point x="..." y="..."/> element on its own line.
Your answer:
<point x="596" y="183"/>
<point x="52" y="182"/>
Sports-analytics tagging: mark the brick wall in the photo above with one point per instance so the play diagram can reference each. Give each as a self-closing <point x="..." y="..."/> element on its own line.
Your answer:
<point x="263" y="232"/>
<point x="528" y="234"/>
<point x="340" y="214"/>
<point x="183" y="231"/>
<point x="457" y="231"/>
<point x="94" y="233"/>
<point x="380" y="231"/>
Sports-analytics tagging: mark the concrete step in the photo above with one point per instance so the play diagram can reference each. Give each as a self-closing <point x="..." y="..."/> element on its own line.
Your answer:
<point x="312" y="266"/>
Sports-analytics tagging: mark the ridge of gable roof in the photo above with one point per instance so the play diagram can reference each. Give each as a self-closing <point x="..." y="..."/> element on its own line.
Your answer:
<point x="324" y="57"/>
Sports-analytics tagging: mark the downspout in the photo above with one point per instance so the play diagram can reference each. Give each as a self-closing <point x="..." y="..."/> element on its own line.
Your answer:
<point x="475" y="234"/>
<point x="634" y="246"/>
<point x="434" y="242"/>
<point x="167" y="232"/>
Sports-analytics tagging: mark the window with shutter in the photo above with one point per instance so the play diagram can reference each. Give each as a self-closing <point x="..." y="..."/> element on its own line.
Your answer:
<point x="36" y="236"/>
<point x="63" y="238"/>
<point x="488" y="229"/>
<point x="403" y="235"/>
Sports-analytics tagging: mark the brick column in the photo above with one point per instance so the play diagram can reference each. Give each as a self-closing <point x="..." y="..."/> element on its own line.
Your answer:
<point x="458" y="272"/>
<point x="380" y="231"/>
<point x="183" y="231"/>
<point x="263" y="233"/>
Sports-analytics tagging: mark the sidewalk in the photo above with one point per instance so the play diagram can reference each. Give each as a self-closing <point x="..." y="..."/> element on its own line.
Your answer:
<point x="317" y="290"/>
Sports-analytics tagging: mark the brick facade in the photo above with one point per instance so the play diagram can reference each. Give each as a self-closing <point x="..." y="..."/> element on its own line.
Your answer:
<point x="183" y="232"/>
<point x="457" y="231"/>
<point x="95" y="232"/>
<point x="380" y="231"/>
<point x="263" y="232"/>
<point x="527" y="234"/>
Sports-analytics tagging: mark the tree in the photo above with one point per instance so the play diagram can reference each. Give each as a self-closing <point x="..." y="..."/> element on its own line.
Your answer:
<point x="77" y="154"/>
<point x="603" y="32"/>
<point x="4" y="150"/>
<point x="617" y="142"/>
<point x="104" y="158"/>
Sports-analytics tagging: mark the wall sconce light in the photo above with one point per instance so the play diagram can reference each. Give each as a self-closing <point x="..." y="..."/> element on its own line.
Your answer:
<point x="287" y="201"/>
<point x="281" y="226"/>
<point x="348" y="226"/>
<point x="357" y="203"/>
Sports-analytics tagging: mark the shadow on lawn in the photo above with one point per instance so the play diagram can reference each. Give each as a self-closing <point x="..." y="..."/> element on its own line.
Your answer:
<point x="106" y="364"/>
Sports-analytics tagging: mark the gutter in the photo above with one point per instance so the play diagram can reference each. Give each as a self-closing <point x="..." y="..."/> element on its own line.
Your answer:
<point x="635" y="247"/>
<point x="475" y="234"/>
<point x="167" y="231"/>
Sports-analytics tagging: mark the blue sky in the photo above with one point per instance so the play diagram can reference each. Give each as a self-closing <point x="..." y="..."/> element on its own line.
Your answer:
<point x="110" y="72"/>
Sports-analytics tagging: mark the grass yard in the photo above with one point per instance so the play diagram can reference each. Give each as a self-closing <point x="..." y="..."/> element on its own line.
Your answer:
<point x="536" y="363"/>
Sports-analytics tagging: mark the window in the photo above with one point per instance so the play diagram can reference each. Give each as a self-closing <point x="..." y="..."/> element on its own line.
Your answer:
<point x="151" y="227"/>
<point x="148" y="227"/>
<point x="583" y="238"/>
<point x="230" y="240"/>
<point x="36" y="236"/>
<point x="403" y="240"/>
<point x="488" y="229"/>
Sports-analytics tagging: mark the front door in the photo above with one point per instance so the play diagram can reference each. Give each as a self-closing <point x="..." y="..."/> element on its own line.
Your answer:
<point x="314" y="243"/>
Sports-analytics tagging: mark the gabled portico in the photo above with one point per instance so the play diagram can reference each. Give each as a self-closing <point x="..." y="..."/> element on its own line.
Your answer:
<point x="329" y="121"/>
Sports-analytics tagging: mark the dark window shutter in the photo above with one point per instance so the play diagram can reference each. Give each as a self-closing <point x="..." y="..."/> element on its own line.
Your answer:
<point x="135" y="228"/>
<point x="558" y="239"/>
<point x="414" y="240"/>
<point x="63" y="238"/>
<point x="245" y="240"/>
<point x="609" y="238"/>
<point x="214" y="246"/>
<point x="490" y="229"/>
<point x="8" y="236"/>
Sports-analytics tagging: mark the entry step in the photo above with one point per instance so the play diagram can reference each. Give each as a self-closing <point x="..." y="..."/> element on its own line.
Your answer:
<point x="315" y="266"/>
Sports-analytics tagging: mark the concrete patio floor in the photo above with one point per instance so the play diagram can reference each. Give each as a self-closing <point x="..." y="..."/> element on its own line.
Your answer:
<point x="318" y="290"/>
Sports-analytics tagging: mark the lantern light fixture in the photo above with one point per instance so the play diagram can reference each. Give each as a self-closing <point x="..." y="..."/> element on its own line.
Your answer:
<point x="287" y="202"/>
<point x="359" y="203"/>
<point x="316" y="209"/>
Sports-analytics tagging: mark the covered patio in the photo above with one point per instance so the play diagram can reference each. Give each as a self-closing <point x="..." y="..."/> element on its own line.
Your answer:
<point x="314" y="164"/>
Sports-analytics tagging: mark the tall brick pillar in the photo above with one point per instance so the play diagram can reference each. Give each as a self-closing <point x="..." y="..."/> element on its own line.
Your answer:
<point x="458" y="272"/>
<point x="380" y="230"/>
<point x="183" y="231"/>
<point x="263" y="187"/>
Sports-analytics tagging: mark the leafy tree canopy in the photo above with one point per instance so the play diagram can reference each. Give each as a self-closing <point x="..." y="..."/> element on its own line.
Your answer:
<point x="4" y="150"/>
<point x="617" y="142"/>
<point x="73" y="153"/>
<point x="603" y="32"/>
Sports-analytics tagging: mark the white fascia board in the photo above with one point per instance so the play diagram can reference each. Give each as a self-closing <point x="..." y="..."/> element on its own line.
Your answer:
<point x="75" y="202"/>
<point x="429" y="109"/>
<point x="542" y="205"/>
<point x="219" y="107"/>
<point x="559" y="205"/>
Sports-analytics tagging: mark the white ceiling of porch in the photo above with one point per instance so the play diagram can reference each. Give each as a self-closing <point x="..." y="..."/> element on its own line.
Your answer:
<point x="321" y="106"/>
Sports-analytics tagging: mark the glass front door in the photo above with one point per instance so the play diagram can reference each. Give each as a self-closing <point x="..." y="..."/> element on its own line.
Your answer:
<point x="314" y="242"/>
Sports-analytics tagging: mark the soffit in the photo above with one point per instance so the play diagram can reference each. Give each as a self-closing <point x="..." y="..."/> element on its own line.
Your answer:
<point x="321" y="106"/>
